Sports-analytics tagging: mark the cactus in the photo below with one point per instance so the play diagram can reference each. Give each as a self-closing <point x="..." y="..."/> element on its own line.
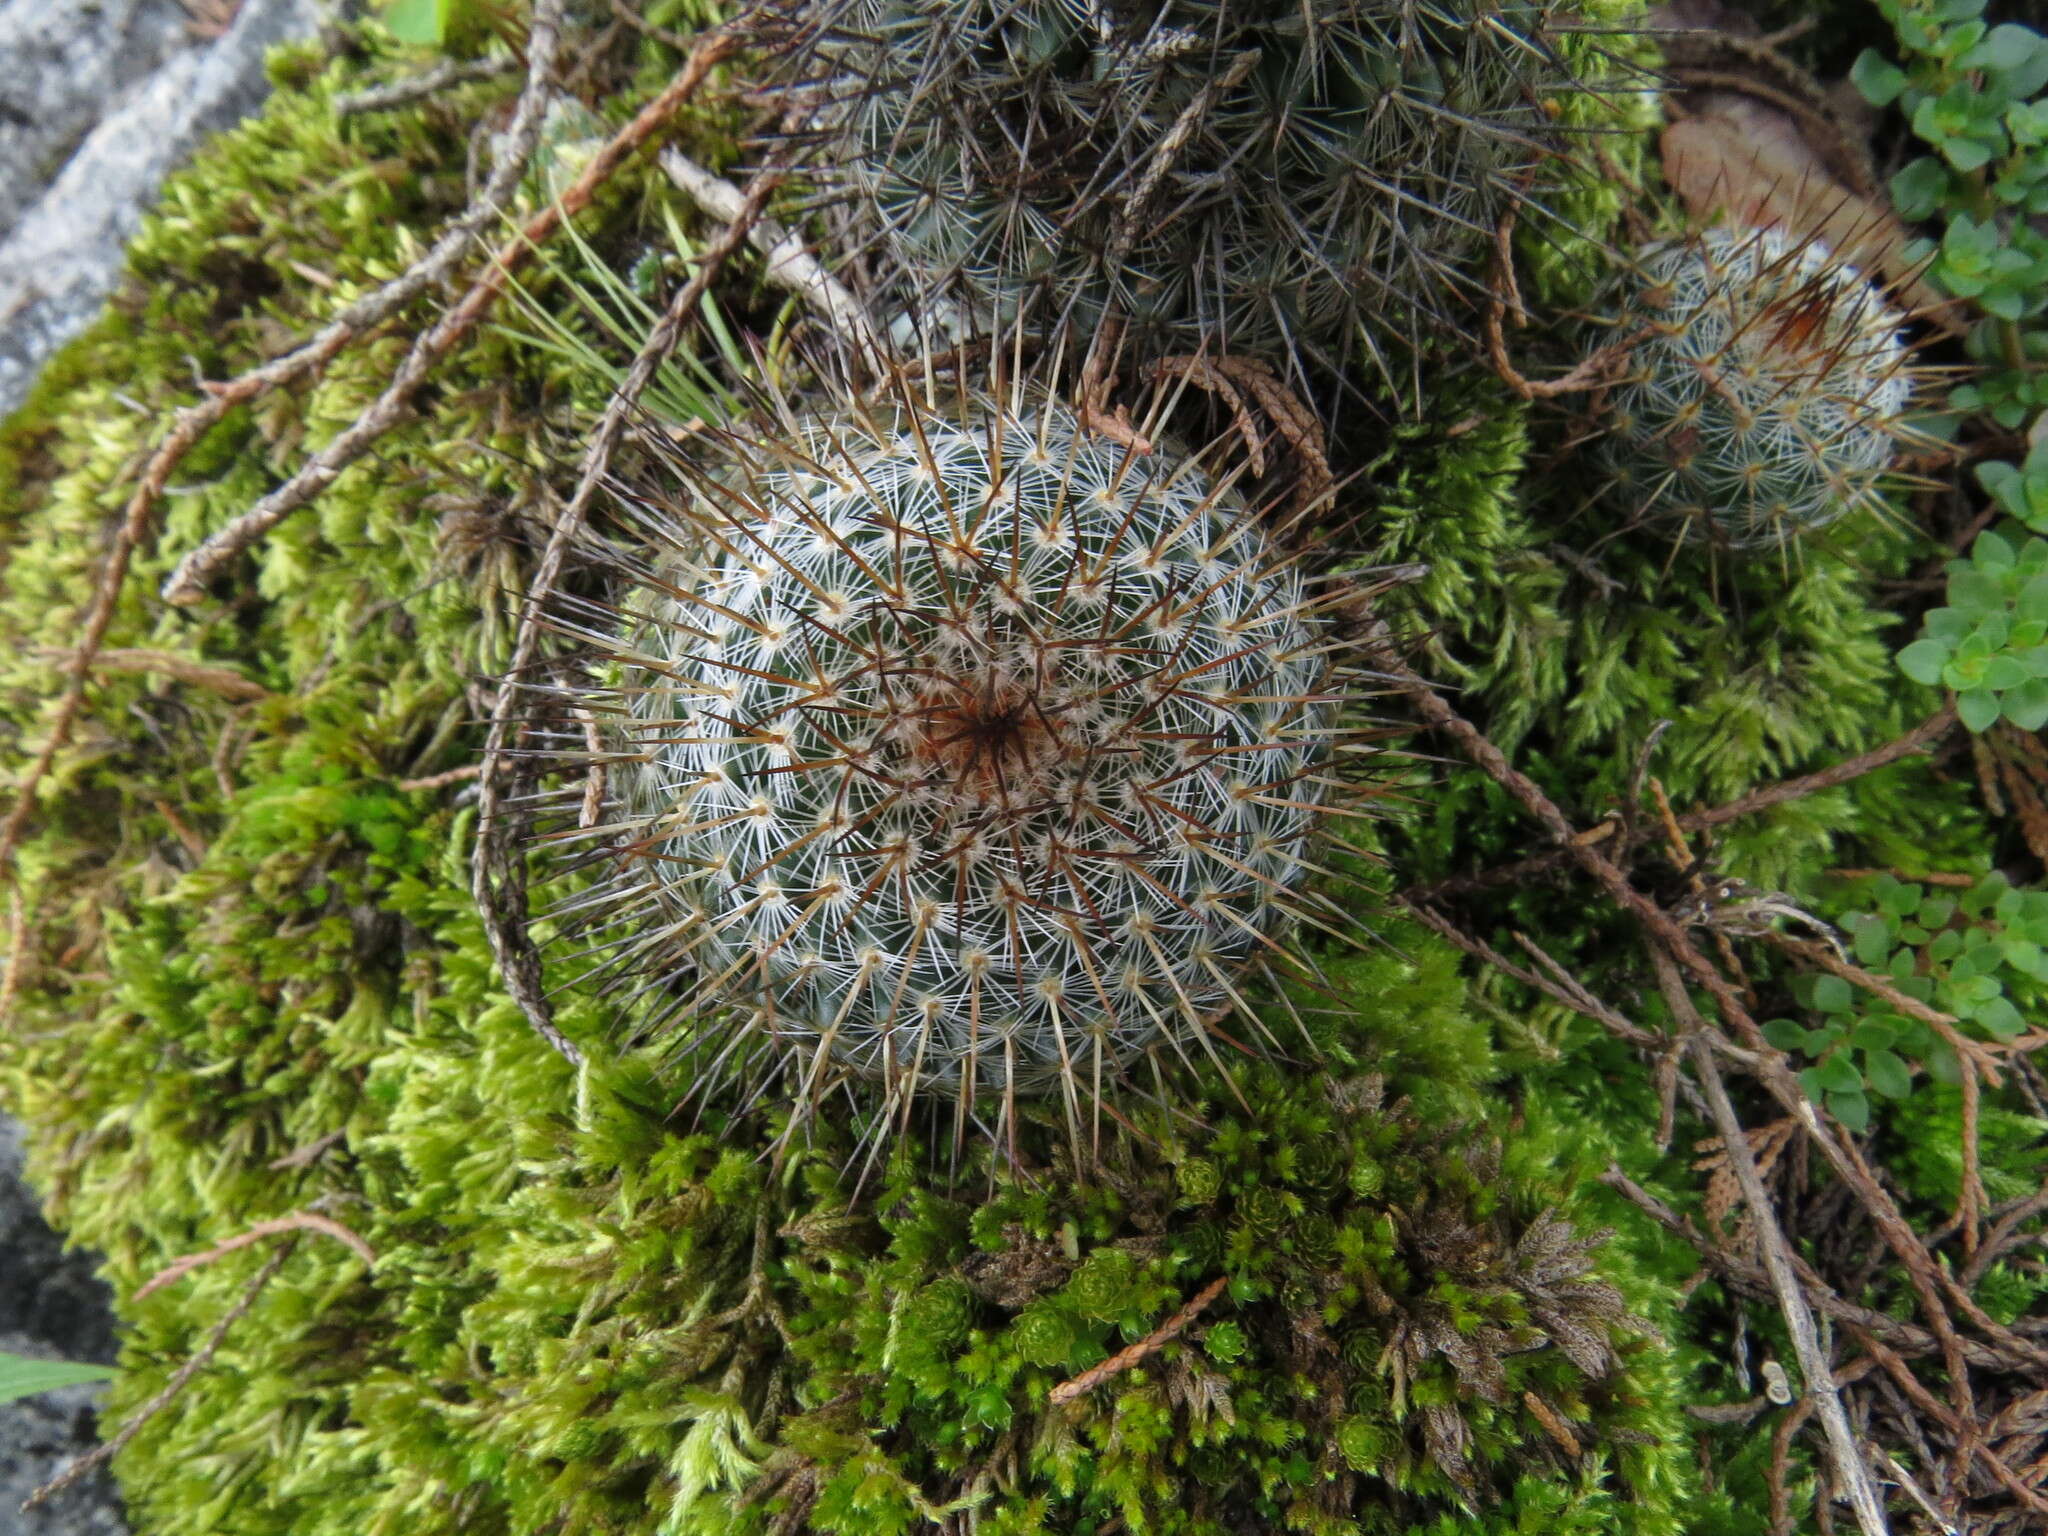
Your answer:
<point x="1764" y="391"/>
<point x="961" y="750"/>
<point x="1254" y="176"/>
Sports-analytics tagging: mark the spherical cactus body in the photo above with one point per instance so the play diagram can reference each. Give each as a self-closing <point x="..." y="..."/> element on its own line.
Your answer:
<point x="1248" y="176"/>
<point x="1764" y="389"/>
<point x="960" y="750"/>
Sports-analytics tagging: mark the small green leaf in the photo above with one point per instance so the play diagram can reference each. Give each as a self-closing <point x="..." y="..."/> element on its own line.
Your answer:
<point x="1923" y="660"/>
<point x="424" y="22"/>
<point x="1919" y="189"/>
<point x="1831" y="994"/>
<point x="22" y="1377"/>
<point x="2000" y="1019"/>
<point x="1887" y="1074"/>
<point x="1877" y="77"/>
<point x="1786" y="1034"/>
<point x="1836" y="1075"/>
<point x="2026" y="706"/>
<point x="1852" y="1109"/>
<point x="2003" y="672"/>
<point x="1978" y="709"/>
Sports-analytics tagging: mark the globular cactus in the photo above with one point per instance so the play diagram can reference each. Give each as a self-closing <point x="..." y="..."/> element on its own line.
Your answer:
<point x="1248" y="176"/>
<point x="956" y="749"/>
<point x="1764" y="393"/>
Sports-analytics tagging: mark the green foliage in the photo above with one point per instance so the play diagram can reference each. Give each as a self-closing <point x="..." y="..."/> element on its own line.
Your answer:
<point x="1973" y="93"/>
<point x="23" y="1377"/>
<point x="1990" y="642"/>
<point x="576" y="1314"/>
<point x="1570" y="650"/>
<point x="444" y="24"/>
<point x="1980" y="956"/>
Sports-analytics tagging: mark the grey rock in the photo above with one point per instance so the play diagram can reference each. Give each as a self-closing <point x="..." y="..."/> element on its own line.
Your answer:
<point x="62" y="63"/>
<point x="63" y="256"/>
<point x="52" y="1306"/>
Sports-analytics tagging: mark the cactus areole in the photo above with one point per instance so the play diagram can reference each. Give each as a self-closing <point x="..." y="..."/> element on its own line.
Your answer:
<point x="966" y="750"/>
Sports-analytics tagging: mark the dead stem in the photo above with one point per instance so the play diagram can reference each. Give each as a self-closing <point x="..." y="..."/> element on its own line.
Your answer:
<point x="193" y="422"/>
<point x="1151" y="1344"/>
<point x="101" y="1454"/>
<point x="187" y="582"/>
<point x="297" y="1221"/>
<point x="497" y="873"/>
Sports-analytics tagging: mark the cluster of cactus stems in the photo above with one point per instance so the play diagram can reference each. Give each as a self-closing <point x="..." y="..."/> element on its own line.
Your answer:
<point x="1765" y="392"/>
<point x="1249" y="176"/>
<point x="957" y="748"/>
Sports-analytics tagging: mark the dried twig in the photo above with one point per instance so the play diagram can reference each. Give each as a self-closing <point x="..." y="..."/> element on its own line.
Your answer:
<point x="1925" y="734"/>
<point x="101" y="1454"/>
<point x="187" y="582"/>
<point x="1559" y="984"/>
<point x="297" y="1221"/>
<point x="1814" y="1365"/>
<point x="789" y="263"/>
<point x="225" y="681"/>
<point x="194" y="421"/>
<point x="498" y="876"/>
<point x="1151" y="1344"/>
<point x="1522" y="870"/>
<point x="442" y="780"/>
<point x="401" y="93"/>
<point x="1502" y="293"/>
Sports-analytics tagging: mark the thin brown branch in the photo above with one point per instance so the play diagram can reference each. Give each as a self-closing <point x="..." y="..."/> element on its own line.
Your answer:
<point x="187" y="582"/>
<point x="789" y="263"/>
<point x="102" y="1454"/>
<point x="297" y="1221"/>
<point x="1570" y="994"/>
<point x="1931" y="1284"/>
<point x="194" y="421"/>
<point x="1923" y="735"/>
<point x="1149" y="1345"/>
<point x="442" y="780"/>
<point x="225" y="681"/>
<point x="1523" y="870"/>
<point x="428" y="82"/>
<point x="497" y="874"/>
<point x="1850" y="1469"/>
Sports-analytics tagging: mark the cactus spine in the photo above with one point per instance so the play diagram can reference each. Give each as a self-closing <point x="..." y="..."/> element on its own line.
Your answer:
<point x="1764" y="396"/>
<point x="1253" y="176"/>
<point x="962" y="750"/>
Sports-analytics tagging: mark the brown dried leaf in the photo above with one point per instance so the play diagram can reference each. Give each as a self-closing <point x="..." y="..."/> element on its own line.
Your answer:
<point x="1744" y="162"/>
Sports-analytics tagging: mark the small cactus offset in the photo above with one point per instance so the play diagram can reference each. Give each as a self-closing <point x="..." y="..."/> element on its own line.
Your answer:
<point x="1252" y="176"/>
<point x="1764" y="393"/>
<point x="963" y="751"/>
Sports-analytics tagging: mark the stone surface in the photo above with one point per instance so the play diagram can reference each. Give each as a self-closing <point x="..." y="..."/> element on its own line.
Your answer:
<point x="60" y="260"/>
<point x="52" y="1305"/>
<point x="62" y="63"/>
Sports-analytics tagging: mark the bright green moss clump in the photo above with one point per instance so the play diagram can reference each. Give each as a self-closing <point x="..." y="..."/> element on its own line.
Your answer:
<point x="252" y="983"/>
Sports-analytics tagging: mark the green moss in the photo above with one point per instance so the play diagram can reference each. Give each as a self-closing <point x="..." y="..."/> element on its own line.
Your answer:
<point x="253" y="983"/>
<point x="256" y="985"/>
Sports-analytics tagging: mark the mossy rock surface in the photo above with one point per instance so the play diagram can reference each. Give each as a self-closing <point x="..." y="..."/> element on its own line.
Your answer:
<point x="252" y="982"/>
